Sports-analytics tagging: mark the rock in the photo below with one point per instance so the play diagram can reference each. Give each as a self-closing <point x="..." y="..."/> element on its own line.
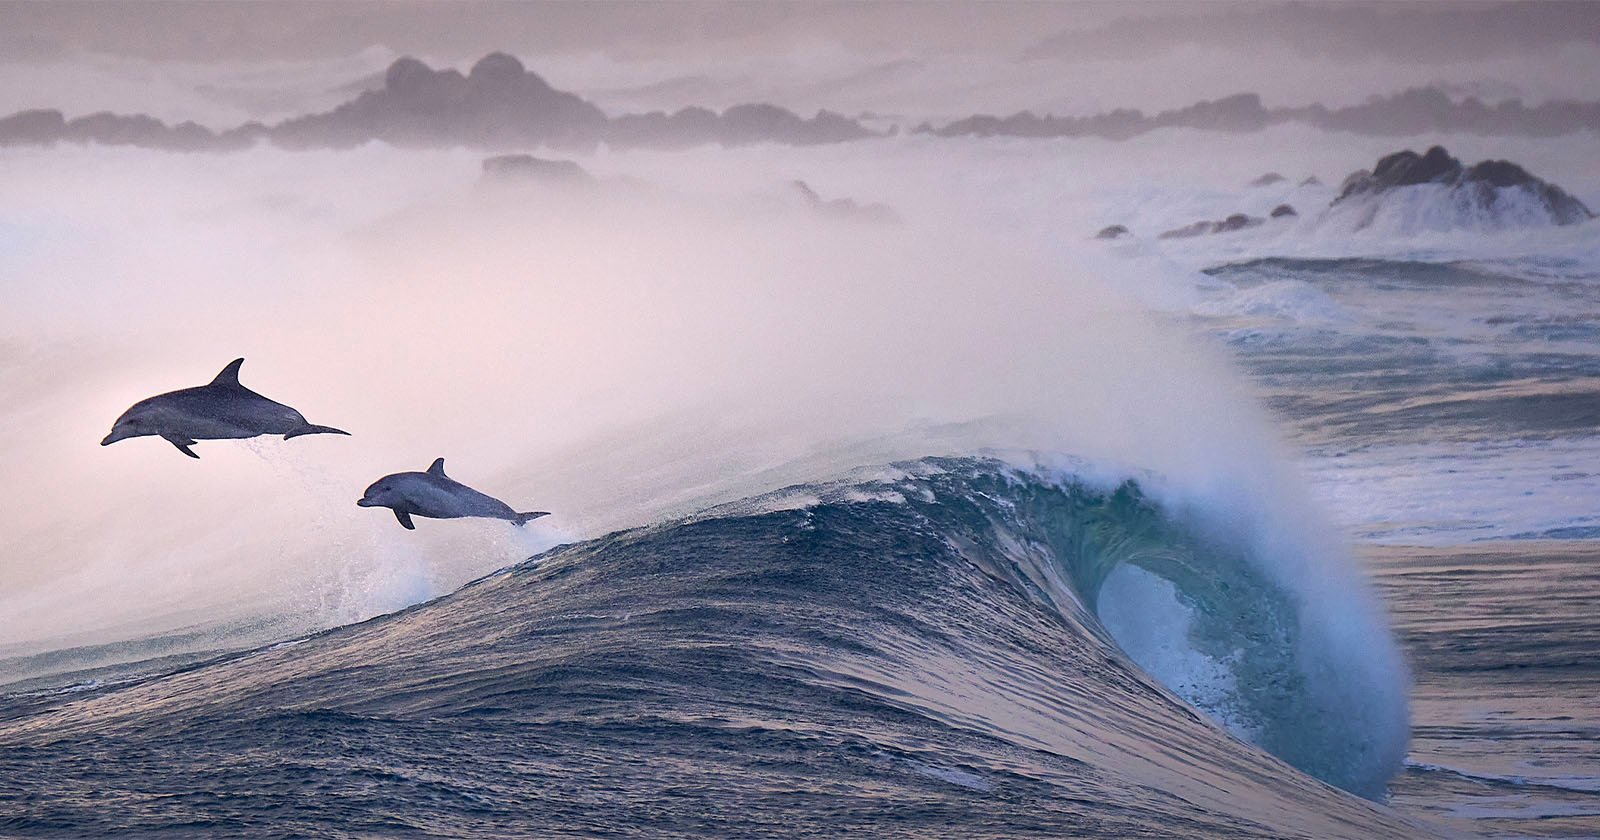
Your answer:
<point x="32" y="128"/>
<point x="845" y="208"/>
<point x="1237" y="221"/>
<point x="1490" y="193"/>
<point x="500" y="104"/>
<point x="498" y="69"/>
<point x="529" y="169"/>
<point x="1312" y="181"/>
<point x="1268" y="180"/>
<point x="1112" y="232"/>
<point x="1282" y="211"/>
<point x="1403" y="169"/>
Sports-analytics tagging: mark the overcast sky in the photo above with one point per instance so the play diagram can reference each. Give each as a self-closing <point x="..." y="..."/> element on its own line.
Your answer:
<point x="223" y="61"/>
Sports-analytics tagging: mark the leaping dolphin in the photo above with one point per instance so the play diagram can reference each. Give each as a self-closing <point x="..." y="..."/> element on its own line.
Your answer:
<point x="222" y="410"/>
<point x="434" y="495"/>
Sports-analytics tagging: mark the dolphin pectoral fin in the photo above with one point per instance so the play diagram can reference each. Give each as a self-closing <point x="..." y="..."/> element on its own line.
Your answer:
<point x="525" y="518"/>
<point x="183" y="444"/>
<point x="405" y="520"/>
<point x="309" y="429"/>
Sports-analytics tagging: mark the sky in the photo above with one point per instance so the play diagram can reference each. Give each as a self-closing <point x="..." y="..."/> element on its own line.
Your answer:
<point x="222" y="63"/>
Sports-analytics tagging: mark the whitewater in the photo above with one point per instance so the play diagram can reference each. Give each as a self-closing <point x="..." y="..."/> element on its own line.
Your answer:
<point x="966" y="526"/>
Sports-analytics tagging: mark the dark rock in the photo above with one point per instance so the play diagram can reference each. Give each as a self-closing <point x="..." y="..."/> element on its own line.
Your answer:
<point x="1410" y="112"/>
<point x="1112" y="232"/>
<point x="32" y="128"/>
<point x="1482" y="188"/>
<point x="1312" y="181"/>
<point x="529" y="169"/>
<point x="501" y="104"/>
<point x="1282" y="211"/>
<point x="1237" y="221"/>
<point x="1268" y="180"/>
<point x="1500" y="173"/>
<point x="498" y="70"/>
<point x="845" y="208"/>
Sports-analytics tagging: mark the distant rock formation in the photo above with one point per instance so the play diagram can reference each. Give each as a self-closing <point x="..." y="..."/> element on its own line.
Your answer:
<point x="1112" y="232"/>
<point x="498" y="104"/>
<point x="1237" y="221"/>
<point x="529" y="169"/>
<point x="1311" y="181"/>
<point x="740" y="125"/>
<point x="48" y="127"/>
<point x="1434" y="190"/>
<point x="1268" y="180"/>
<point x="845" y="208"/>
<point x="1412" y="111"/>
<point x="1241" y="112"/>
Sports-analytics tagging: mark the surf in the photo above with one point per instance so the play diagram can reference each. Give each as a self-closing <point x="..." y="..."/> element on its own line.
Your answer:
<point x="932" y="631"/>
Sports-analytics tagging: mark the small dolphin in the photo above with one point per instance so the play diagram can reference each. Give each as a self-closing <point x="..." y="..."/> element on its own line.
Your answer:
<point x="434" y="495"/>
<point x="222" y="410"/>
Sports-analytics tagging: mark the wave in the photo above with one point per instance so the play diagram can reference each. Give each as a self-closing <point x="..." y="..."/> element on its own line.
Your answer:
<point x="946" y="630"/>
<point x="1192" y="608"/>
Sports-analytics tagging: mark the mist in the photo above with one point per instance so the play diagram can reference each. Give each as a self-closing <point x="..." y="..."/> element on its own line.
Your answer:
<point x="683" y="335"/>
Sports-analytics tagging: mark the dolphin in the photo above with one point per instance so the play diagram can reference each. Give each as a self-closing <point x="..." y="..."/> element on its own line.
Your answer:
<point x="222" y="410"/>
<point x="434" y="495"/>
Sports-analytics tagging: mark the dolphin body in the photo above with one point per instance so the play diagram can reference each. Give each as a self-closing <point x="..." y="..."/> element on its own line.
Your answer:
<point x="222" y="410"/>
<point x="434" y="495"/>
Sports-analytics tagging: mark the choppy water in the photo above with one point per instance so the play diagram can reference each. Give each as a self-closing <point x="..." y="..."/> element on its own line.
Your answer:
<point x="1450" y="413"/>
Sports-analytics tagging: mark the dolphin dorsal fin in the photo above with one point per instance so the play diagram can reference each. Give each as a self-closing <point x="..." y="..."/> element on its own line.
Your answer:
<point x="229" y="377"/>
<point x="437" y="468"/>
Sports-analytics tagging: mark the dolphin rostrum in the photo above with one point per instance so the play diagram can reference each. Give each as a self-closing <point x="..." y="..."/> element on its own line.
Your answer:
<point x="222" y="410"/>
<point x="434" y="495"/>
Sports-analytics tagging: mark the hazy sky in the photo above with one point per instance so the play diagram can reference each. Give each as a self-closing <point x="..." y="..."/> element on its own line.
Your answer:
<point x="222" y="62"/>
<point x="1423" y="31"/>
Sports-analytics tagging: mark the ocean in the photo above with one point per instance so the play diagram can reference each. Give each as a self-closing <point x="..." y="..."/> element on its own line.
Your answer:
<point x="966" y="526"/>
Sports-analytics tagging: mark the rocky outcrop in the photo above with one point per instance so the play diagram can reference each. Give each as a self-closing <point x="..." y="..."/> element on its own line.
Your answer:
<point x="844" y="208"/>
<point x="1237" y="221"/>
<point x="527" y="169"/>
<point x="48" y="127"/>
<point x="1113" y="232"/>
<point x="498" y="104"/>
<point x="1268" y="180"/>
<point x="1241" y="112"/>
<point x="1412" y="111"/>
<point x="1491" y="193"/>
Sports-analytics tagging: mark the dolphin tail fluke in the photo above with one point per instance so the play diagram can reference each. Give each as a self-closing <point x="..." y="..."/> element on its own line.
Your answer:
<point x="525" y="518"/>
<point x="309" y="429"/>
